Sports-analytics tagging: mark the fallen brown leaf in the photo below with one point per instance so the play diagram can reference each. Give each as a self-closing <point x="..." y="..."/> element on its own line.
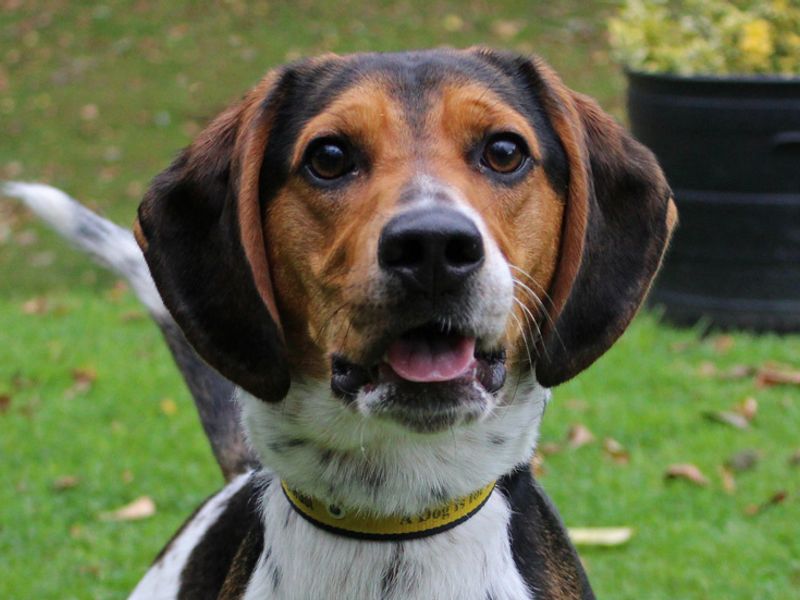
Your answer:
<point x="117" y="291"/>
<point x="739" y="372"/>
<point x="65" y="482"/>
<point x="723" y="343"/>
<point x="576" y="404"/>
<point x="728" y="480"/>
<point x="84" y="375"/>
<point x="452" y="23"/>
<point x="549" y="448"/>
<point x="5" y="403"/>
<point x="168" y="407"/>
<point x="686" y="471"/>
<point x="727" y="418"/>
<point x="777" y="498"/>
<point x="83" y="378"/>
<point x="682" y="346"/>
<point x="579" y="435"/>
<point x="616" y="451"/>
<point x="36" y="306"/>
<point x="748" y="408"/>
<point x="707" y="369"/>
<point x="537" y="464"/>
<point x="89" y="112"/>
<point x="141" y="508"/>
<point x="746" y="460"/>
<point x="93" y="570"/>
<point x="769" y="375"/>
<point x="132" y="315"/>
<point x="505" y="29"/>
<point x="600" y="536"/>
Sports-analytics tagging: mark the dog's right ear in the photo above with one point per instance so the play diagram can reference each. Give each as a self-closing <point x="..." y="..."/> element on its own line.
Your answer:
<point x="200" y="227"/>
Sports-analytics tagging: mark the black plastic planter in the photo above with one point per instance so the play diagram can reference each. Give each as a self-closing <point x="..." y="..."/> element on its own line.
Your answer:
<point x="731" y="150"/>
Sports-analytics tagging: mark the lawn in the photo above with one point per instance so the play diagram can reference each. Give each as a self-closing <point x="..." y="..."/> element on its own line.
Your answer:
<point x="97" y="98"/>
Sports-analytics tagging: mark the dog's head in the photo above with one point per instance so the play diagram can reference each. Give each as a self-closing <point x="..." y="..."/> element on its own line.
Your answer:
<point x="403" y="251"/>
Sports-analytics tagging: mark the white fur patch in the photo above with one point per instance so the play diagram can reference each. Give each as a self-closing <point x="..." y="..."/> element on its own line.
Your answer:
<point x="162" y="581"/>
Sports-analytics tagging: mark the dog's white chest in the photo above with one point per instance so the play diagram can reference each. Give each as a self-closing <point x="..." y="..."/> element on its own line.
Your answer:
<point x="302" y="562"/>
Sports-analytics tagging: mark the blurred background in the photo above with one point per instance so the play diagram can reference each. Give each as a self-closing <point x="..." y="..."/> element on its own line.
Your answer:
<point x="685" y="439"/>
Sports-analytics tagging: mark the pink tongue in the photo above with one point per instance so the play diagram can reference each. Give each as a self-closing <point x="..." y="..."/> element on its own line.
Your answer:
<point x="440" y="358"/>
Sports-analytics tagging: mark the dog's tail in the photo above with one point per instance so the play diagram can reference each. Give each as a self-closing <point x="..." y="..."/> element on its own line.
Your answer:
<point x="115" y="248"/>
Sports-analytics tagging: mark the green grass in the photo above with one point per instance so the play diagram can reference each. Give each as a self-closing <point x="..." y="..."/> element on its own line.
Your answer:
<point x="154" y="72"/>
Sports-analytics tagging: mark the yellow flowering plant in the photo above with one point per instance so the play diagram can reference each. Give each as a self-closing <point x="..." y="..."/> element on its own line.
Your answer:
<point x="708" y="37"/>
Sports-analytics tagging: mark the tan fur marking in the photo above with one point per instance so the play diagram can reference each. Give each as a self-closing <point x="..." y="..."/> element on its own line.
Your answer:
<point x="672" y="216"/>
<point x="469" y="111"/>
<point x="564" y="116"/>
<point x="139" y="236"/>
<point x="250" y="218"/>
<point x="366" y="113"/>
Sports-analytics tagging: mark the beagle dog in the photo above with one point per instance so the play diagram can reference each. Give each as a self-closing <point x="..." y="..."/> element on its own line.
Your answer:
<point x="394" y="257"/>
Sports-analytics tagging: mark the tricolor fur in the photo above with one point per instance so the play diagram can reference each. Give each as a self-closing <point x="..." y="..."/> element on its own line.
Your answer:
<point x="292" y="244"/>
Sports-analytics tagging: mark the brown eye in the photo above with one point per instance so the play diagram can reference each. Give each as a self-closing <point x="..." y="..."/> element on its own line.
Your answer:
<point x="329" y="159"/>
<point x="504" y="153"/>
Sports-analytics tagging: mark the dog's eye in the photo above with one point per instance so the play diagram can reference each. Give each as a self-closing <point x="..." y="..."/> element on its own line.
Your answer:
<point x="504" y="153"/>
<point x="329" y="159"/>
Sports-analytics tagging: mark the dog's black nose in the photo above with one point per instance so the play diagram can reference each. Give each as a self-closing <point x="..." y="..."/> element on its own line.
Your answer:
<point x="433" y="251"/>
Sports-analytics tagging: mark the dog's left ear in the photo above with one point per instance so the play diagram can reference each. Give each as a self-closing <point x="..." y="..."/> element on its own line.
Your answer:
<point x="200" y="227"/>
<point x="617" y="223"/>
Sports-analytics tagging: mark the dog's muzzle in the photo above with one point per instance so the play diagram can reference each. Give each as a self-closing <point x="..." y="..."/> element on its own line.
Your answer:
<point x="430" y="363"/>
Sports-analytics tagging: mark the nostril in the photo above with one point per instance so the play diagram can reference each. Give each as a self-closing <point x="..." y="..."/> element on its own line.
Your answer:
<point x="463" y="250"/>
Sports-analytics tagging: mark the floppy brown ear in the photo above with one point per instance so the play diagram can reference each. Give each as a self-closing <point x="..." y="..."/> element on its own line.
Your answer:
<point x="618" y="220"/>
<point x="200" y="228"/>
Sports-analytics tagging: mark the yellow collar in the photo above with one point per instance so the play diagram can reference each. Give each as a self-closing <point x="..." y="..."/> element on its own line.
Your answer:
<point x="428" y="522"/>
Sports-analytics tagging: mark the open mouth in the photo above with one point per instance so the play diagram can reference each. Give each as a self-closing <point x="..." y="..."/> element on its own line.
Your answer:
<point x="426" y="356"/>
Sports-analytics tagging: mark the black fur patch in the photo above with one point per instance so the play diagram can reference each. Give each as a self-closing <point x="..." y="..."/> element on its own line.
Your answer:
<point x="542" y="551"/>
<point x="244" y="563"/>
<point x="235" y="534"/>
